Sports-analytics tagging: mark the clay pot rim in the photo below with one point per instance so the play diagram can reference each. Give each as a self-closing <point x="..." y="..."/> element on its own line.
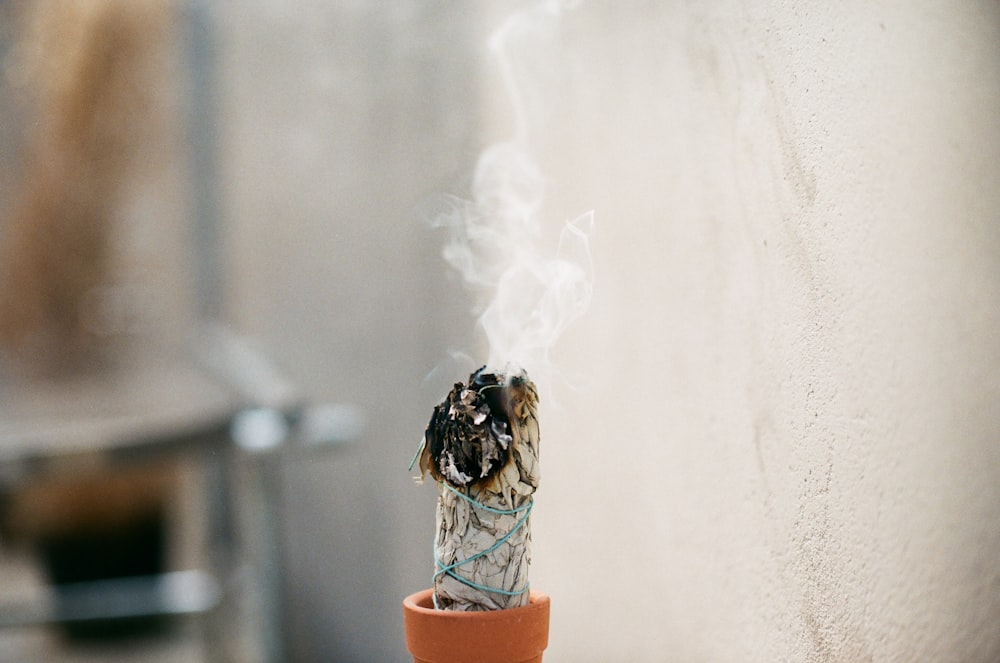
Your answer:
<point x="514" y="635"/>
<point x="423" y="603"/>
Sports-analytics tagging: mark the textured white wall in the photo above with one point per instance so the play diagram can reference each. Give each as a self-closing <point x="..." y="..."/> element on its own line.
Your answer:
<point x="785" y="443"/>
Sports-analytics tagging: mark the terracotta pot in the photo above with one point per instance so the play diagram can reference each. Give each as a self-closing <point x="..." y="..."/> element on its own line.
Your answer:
<point x="518" y="635"/>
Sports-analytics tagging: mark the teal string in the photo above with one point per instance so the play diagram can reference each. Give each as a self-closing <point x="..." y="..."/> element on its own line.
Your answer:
<point x="450" y="569"/>
<point x="420" y="449"/>
<point x="501" y="512"/>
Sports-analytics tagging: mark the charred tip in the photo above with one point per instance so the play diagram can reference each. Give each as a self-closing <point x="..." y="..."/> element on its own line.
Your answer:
<point x="470" y="433"/>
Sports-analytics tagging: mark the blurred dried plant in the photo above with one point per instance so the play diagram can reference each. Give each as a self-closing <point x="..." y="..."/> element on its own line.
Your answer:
<point x="84" y="67"/>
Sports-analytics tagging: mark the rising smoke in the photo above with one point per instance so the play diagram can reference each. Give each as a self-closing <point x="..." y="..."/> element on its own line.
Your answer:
<point x="527" y="293"/>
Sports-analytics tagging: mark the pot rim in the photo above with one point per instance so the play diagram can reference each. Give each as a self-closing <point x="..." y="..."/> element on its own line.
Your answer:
<point x="492" y="636"/>
<point x="422" y="602"/>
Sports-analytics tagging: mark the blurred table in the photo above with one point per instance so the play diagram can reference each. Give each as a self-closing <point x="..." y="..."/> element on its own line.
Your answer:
<point x="113" y="422"/>
<point x="110" y="416"/>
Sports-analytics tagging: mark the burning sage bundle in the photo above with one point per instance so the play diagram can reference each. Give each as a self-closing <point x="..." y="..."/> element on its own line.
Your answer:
<point x="481" y="446"/>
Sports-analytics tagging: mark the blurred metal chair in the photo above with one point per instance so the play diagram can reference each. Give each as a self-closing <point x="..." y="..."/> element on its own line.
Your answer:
<point x="229" y="412"/>
<point x="219" y="404"/>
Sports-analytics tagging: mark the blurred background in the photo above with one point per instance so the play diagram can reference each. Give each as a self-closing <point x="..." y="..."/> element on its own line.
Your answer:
<point x="225" y="319"/>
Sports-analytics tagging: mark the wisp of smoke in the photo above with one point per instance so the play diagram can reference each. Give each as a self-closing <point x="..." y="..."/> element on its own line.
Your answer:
<point x="535" y="294"/>
<point x="528" y="293"/>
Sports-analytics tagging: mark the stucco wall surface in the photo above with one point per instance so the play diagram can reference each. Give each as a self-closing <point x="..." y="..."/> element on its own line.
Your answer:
<point x="784" y="442"/>
<point x="774" y="436"/>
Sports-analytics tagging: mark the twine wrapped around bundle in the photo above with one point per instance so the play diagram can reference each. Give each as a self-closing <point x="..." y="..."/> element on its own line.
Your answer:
<point x="481" y="445"/>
